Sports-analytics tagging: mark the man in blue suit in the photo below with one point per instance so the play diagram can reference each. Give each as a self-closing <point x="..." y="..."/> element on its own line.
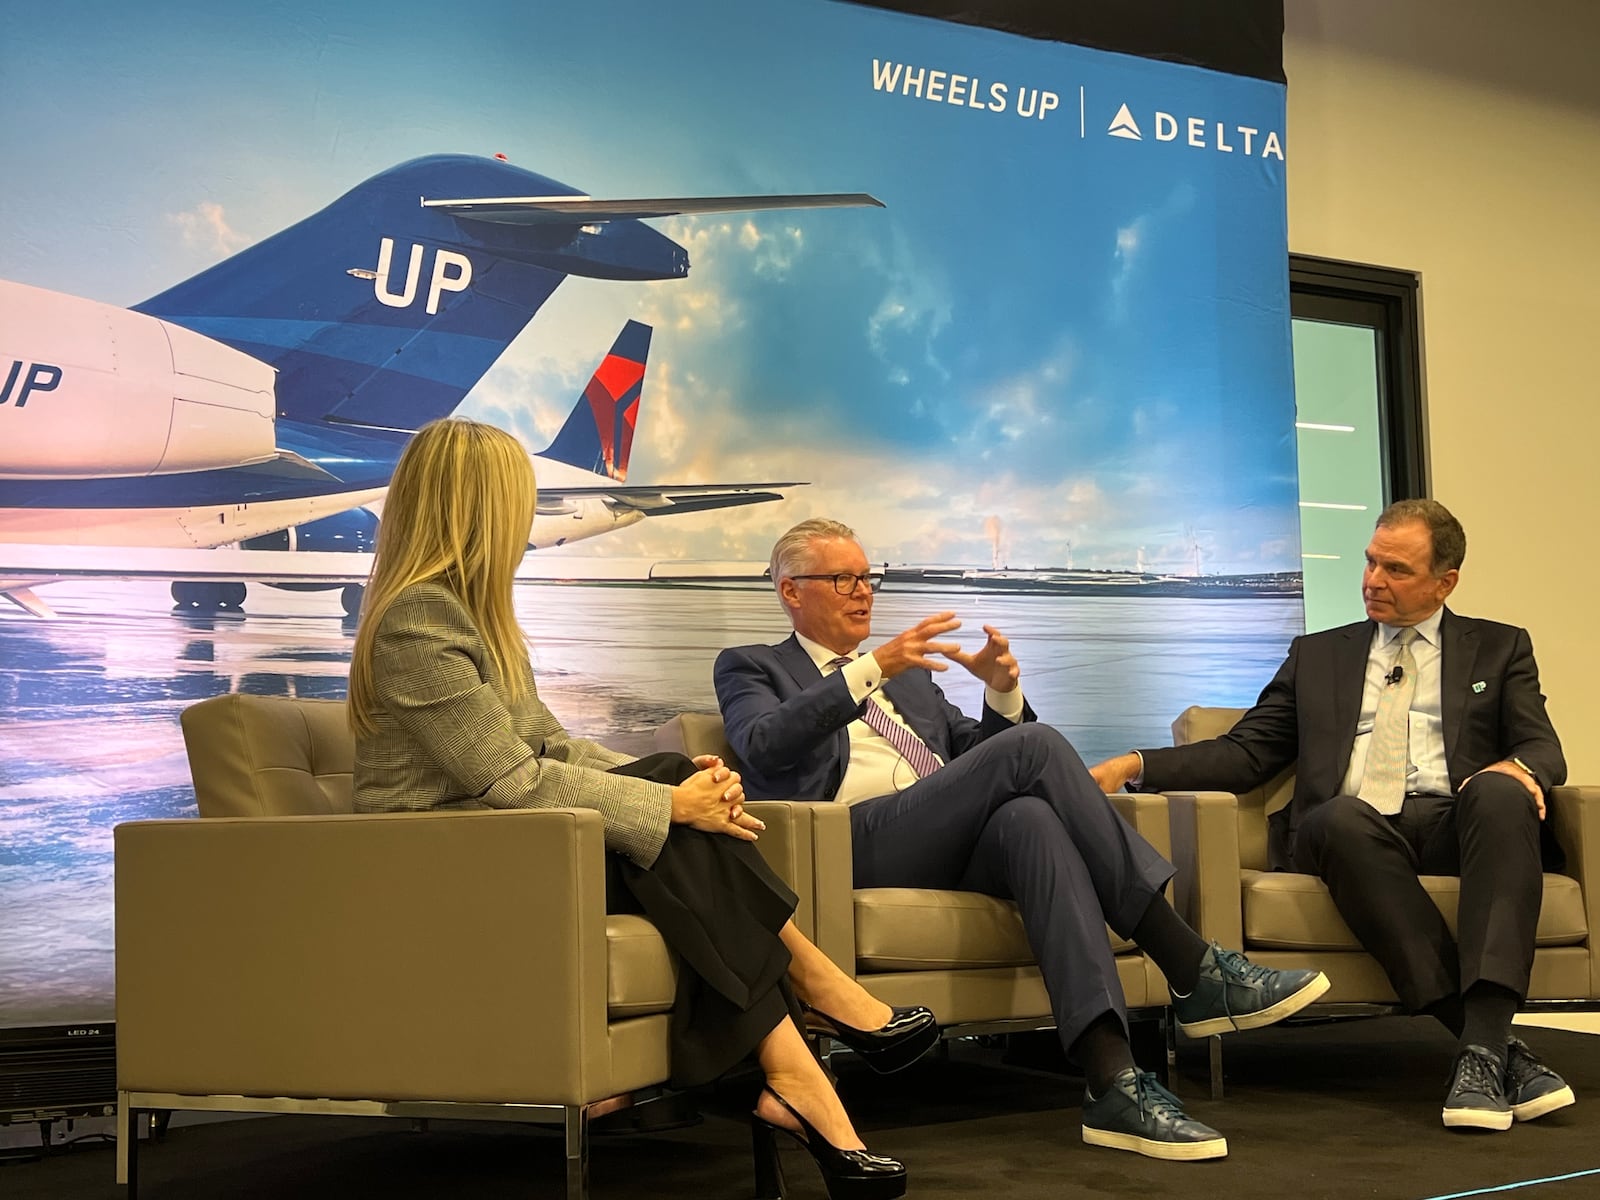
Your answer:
<point x="1001" y="805"/>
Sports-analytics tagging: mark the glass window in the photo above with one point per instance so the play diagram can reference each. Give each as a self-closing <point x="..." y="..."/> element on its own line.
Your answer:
<point x="1341" y="476"/>
<point x="1358" y="417"/>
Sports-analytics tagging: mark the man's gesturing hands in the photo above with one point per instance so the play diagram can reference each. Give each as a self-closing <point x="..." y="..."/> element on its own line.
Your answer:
<point x="912" y="648"/>
<point x="993" y="663"/>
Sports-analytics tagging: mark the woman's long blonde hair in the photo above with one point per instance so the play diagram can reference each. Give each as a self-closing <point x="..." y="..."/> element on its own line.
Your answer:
<point x="459" y="511"/>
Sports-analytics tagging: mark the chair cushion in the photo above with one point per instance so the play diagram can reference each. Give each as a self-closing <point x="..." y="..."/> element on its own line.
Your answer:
<point x="641" y="974"/>
<point x="925" y="929"/>
<point x="269" y="756"/>
<point x="1284" y="911"/>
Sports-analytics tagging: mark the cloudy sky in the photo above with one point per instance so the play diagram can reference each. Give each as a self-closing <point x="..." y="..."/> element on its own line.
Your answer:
<point x="1050" y="343"/>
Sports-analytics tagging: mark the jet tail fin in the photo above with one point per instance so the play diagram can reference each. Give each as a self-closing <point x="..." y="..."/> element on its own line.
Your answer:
<point x="598" y="435"/>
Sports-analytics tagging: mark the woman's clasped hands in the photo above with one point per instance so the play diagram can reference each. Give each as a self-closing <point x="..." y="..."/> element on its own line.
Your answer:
<point x="712" y="800"/>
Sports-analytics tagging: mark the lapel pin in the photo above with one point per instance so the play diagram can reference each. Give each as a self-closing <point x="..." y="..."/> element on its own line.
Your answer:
<point x="1479" y="686"/>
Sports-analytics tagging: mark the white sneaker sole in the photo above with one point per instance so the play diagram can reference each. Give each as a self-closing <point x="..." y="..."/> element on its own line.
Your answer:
<point x="1170" y="1151"/>
<point x="1476" y="1118"/>
<point x="1532" y="1110"/>
<point x="1286" y="1007"/>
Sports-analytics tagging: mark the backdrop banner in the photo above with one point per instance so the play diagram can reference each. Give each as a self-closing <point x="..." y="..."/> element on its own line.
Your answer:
<point x="1016" y="311"/>
<point x="1242" y="37"/>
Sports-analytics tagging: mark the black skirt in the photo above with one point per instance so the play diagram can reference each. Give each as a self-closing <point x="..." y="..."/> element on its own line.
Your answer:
<point x="718" y="907"/>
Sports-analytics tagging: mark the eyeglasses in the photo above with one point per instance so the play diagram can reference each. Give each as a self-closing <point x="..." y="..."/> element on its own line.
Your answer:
<point x="844" y="583"/>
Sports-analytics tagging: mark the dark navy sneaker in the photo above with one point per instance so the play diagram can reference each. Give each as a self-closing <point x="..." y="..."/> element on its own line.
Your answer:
<point x="1234" y="993"/>
<point x="1477" y="1098"/>
<point x="1138" y="1114"/>
<point x="1532" y="1089"/>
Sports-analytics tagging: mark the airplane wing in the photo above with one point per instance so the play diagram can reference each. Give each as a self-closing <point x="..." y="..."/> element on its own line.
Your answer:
<point x="664" y="499"/>
<point x="26" y="565"/>
<point x="568" y="210"/>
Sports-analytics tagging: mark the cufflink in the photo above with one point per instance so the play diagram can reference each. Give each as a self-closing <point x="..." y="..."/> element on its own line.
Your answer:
<point x="1479" y="686"/>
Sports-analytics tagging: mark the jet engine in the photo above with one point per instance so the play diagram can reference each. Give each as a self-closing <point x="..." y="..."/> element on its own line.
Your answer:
<point x="355" y="530"/>
<point x="91" y="390"/>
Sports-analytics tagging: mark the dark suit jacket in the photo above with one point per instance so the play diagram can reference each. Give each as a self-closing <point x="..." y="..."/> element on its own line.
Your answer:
<point x="1308" y="715"/>
<point x="790" y="726"/>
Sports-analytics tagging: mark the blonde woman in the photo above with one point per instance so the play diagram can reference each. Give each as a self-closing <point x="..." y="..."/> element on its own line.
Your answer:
<point x="446" y="715"/>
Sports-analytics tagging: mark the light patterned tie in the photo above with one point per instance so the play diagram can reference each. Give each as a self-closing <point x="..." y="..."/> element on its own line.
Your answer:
<point x="1383" y="783"/>
<point x="912" y="748"/>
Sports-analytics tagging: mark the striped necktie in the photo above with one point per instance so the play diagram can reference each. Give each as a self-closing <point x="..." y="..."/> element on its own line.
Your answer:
<point x="1383" y="782"/>
<point x="912" y="748"/>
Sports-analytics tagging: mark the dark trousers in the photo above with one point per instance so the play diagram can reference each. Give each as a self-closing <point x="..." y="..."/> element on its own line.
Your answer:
<point x="1019" y="817"/>
<point x="718" y="907"/>
<point x="1488" y="835"/>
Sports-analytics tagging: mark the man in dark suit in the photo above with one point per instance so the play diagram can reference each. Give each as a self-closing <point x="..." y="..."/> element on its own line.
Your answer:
<point x="1001" y="805"/>
<point x="1421" y="747"/>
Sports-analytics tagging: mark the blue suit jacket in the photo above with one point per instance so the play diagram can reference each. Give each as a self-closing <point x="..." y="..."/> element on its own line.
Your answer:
<point x="789" y="725"/>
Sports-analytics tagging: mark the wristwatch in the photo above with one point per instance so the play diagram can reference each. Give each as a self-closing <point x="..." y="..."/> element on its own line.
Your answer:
<point x="1525" y="768"/>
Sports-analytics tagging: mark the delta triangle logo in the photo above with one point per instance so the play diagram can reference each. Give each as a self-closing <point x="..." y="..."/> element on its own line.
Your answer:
<point x="1124" y="126"/>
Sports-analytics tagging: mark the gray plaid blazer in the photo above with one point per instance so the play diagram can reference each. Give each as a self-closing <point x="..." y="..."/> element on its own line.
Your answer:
<point x="447" y="738"/>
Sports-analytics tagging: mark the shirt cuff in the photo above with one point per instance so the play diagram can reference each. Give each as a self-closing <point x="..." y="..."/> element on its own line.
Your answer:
<point x="1006" y="704"/>
<point x="1137" y="782"/>
<point x="862" y="676"/>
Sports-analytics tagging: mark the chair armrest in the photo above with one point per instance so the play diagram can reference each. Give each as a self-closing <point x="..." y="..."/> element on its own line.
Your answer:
<point x="812" y="855"/>
<point x="1148" y="816"/>
<point x="1574" y="815"/>
<point x="445" y="956"/>
<point x="788" y="847"/>
<point x="1205" y="851"/>
<point x="835" y="887"/>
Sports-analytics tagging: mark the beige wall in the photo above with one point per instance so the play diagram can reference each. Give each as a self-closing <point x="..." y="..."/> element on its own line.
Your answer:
<point x="1461" y="139"/>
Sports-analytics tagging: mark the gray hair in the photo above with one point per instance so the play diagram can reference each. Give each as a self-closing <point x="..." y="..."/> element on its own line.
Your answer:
<point x="792" y="554"/>
<point x="1449" y="539"/>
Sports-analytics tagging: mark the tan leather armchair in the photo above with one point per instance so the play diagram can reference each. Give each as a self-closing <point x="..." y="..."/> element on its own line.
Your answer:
<point x="1286" y="920"/>
<point x="963" y="954"/>
<point x="285" y="954"/>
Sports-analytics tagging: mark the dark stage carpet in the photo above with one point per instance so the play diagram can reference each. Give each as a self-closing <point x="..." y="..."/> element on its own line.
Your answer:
<point x="1313" y="1113"/>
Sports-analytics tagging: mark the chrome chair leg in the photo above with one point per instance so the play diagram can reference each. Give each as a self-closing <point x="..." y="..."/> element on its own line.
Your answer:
<point x="577" y="1149"/>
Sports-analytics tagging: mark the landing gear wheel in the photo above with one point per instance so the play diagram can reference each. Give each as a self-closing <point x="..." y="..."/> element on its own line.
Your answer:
<point x="208" y="597"/>
<point x="350" y="597"/>
<point x="189" y="597"/>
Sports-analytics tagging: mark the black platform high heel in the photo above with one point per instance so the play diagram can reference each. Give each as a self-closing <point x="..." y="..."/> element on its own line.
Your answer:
<point x="909" y="1034"/>
<point x="848" y="1174"/>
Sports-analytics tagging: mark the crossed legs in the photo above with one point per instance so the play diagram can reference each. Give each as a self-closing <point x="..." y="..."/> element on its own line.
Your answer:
<point x="1019" y="817"/>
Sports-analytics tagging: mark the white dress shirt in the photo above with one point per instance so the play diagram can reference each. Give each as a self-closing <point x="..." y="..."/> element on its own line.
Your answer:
<point x="876" y="768"/>
<point x="1426" y="774"/>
